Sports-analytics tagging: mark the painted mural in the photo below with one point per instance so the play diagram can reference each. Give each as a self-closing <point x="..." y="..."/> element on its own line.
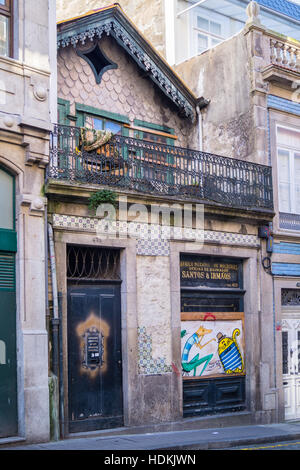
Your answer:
<point x="212" y="348"/>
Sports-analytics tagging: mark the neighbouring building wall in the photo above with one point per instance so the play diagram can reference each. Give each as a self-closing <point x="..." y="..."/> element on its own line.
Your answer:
<point x="221" y="75"/>
<point x="235" y="123"/>
<point x="147" y="16"/>
<point x="25" y="94"/>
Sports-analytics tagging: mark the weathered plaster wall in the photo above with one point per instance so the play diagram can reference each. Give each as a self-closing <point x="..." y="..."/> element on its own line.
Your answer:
<point x="147" y="16"/>
<point x="154" y="312"/>
<point x="221" y="75"/>
<point x="122" y="90"/>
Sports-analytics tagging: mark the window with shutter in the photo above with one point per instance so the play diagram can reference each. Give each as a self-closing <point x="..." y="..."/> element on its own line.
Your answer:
<point x="288" y="161"/>
<point x="7" y="271"/>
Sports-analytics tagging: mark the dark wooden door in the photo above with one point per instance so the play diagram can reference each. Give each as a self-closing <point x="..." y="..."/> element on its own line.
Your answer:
<point x="94" y="357"/>
<point x="8" y="361"/>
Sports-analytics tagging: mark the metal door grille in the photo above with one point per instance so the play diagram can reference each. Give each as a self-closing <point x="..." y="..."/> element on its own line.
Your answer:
<point x="89" y="263"/>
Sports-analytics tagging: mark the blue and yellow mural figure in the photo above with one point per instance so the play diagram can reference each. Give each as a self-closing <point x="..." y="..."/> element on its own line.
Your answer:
<point x="195" y="339"/>
<point x="229" y="353"/>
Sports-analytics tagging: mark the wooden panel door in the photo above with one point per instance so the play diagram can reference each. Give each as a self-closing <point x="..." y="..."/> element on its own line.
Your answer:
<point x="94" y="357"/>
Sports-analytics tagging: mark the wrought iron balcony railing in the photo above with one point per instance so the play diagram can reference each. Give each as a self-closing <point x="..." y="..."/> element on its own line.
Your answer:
<point x="160" y="169"/>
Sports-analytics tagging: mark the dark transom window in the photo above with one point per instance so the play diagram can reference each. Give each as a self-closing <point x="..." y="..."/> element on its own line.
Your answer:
<point x="92" y="263"/>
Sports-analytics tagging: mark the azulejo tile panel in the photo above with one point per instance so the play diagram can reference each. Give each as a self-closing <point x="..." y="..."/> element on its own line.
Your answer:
<point x="147" y="365"/>
<point x="151" y="240"/>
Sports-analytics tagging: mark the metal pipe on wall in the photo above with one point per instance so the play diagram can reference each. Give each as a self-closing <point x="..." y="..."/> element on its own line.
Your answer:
<point x="55" y="320"/>
<point x="200" y="133"/>
<point x="53" y="272"/>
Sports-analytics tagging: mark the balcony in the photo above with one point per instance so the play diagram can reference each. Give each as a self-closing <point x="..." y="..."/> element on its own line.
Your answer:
<point x="142" y="167"/>
<point x="282" y="60"/>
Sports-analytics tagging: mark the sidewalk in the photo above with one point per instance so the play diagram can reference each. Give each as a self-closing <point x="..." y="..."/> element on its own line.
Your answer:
<point x="200" y="439"/>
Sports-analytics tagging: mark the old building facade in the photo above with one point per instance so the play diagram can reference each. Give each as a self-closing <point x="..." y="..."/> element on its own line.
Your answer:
<point x="25" y="124"/>
<point x="146" y="319"/>
<point x="180" y="296"/>
<point x="254" y="105"/>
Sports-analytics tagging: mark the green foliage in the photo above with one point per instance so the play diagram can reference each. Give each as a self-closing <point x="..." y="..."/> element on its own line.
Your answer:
<point x="105" y="196"/>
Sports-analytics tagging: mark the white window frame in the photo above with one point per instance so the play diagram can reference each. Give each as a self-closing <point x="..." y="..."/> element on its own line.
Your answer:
<point x="210" y="36"/>
<point x="292" y="151"/>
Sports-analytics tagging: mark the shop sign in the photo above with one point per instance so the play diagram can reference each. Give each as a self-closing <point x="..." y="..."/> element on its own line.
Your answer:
<point x="209" y="272"/>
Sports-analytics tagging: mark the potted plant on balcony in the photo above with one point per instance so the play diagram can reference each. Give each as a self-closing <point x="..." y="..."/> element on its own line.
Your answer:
<point x="92" y="139"/>
<point x="96" y="147"/>
<point x="104" y="196"/>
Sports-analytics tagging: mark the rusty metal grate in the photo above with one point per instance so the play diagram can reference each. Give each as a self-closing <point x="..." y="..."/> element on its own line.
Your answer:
<point x="90" y="263"/>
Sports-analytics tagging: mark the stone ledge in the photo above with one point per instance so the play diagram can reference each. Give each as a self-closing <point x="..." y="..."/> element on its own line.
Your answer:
<point x="11" y="440"/>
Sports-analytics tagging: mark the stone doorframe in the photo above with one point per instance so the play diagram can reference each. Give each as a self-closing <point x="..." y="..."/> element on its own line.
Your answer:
<point x="128" y="311"/>
<point x="279" y="284"/>
<point x="260" y="394"/>
<point x="253" y="306"/>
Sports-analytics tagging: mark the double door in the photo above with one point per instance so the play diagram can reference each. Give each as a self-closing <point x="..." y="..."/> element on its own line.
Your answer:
<point x="291" y="366"/>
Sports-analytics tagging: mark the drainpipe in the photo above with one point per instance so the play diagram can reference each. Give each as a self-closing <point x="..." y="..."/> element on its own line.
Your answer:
<point x="55" y="319"/>
<point x="46" y="267"/>
<point x="55" y="323"/>
<point x="200" y="133"/>
<point x="201" y="103"/>
<point x="61" y="383"/>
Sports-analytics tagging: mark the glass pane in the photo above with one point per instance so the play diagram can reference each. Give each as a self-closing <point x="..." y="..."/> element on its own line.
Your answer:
<point x="94" y="123"/>
<point x="6" y="201"/>
<point x="215" y="28"/>
<point x="283" y="165"/>
<point x="202" y="23"/>
<point x="214" y="42"/>
<point x="288" y="137"/>
<point x="284" y="181"/>
<point x="285" y="363"/>
<point x="202" y="43"/>
<point x="297" y="183"/>
<point x="4" y="35"/>
<point x="154" y="138"/>
<point x="112" y="127"/>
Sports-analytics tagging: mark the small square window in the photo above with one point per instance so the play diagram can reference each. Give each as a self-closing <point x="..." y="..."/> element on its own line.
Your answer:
<point x="215" y="28"/>
<point x="288" y="160"/>
<point x="102" y="124"/>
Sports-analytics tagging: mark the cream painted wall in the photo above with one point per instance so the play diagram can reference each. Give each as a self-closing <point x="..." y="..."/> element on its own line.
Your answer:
<point x="147" y="16"/>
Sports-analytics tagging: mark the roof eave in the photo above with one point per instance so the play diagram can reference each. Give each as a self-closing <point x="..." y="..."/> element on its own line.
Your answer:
<point x="113" y="21"/>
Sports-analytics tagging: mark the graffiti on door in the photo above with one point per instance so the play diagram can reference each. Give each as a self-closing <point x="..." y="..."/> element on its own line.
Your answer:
<point x="222" y="352"/>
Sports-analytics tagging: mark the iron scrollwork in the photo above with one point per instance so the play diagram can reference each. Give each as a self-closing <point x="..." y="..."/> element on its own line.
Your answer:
<point x="290" y="297"/>
<point x="161" y="169"/>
